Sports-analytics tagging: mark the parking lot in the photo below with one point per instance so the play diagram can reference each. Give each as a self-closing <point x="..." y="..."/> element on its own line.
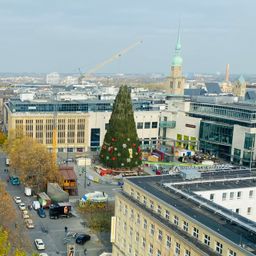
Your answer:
<point x="52" y="231"/>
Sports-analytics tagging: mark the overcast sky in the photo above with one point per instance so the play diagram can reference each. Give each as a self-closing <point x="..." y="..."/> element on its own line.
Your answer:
<point x="63" y="35"/>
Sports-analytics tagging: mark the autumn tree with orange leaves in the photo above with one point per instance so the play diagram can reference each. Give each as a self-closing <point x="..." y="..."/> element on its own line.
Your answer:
<point x="31" y="162"/>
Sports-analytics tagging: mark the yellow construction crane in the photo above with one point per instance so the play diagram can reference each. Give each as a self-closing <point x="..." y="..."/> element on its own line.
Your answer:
<point x="102" y="64"/>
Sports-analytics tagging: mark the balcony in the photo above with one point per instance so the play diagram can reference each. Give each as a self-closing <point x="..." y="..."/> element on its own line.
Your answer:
<point x="167" y="124"/>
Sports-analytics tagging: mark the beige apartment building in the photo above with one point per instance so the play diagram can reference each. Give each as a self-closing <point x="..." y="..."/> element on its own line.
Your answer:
<point x="154" y="217"/>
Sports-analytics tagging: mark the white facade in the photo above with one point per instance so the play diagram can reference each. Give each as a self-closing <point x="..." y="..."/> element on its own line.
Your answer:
<point x="240" y="200"/>
<point x="53" y="78"/>
<point x="101" y="119"/>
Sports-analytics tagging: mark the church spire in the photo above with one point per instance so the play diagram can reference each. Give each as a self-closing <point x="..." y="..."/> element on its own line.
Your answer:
<point x="177" y="59"/>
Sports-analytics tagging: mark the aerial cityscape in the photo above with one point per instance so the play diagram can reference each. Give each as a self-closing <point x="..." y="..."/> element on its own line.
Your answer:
<point x="127" y="129"/>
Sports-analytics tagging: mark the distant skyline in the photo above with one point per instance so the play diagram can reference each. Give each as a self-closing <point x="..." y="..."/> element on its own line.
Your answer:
<point x="64" y="35"/>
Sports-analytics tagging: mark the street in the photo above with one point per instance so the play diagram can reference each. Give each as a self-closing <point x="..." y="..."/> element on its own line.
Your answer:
<point x="54" y="237"/>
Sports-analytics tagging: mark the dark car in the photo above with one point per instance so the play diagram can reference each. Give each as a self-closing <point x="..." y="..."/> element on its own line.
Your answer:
<point x="41" y="212"/>
<point x="82" y="238"/>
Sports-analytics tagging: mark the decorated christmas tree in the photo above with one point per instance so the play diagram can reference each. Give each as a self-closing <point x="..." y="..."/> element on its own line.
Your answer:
<point x="121" y="146"/>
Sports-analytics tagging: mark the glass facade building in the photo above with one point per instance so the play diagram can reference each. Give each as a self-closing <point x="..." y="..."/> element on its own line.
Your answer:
<point x="217" y="130"/>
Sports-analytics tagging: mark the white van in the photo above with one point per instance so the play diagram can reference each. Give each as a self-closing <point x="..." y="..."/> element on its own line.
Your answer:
<point x="36" y="205"/>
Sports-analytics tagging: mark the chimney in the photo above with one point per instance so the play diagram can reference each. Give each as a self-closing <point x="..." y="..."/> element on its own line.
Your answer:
<point x="227" y="73"/>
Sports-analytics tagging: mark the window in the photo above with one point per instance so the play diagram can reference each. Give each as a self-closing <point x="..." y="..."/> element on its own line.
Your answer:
<point x="168" y="242"/>
<point x="145" y="224"/>
<point x="195" y="232"/>
<point x="106" y="126"/>
<point x="154" y="124"/>
<point x="132" y="213"/>
<point x="185" y="226"/>
<point x="159" y="209"/>
<point x="224" y="196"/>
<point x="131" y="231"/>
<point x="150" y="252"/>
<point x="125" y="210"/>
<point x="151" y="204"/>
<point x="249" y="210"/>
<point x="158" y="253"/>
<point x="251" y="194"/>
<point x="218" y="247"/>
<point x="237" y="210"/>
<point x="239" y="194"/>
<point x="176" y="220"/>
<point x="249" y="140"/>
<point x="177" y="249"/>
<point x="125" y="226"/>
<point x="152" y="229"/>
<point x="144" y="200"/>
<point x="211" y="197"/>
<point x="132" y="192"/>
<point x="139" y="125"/>
<point x="137" y="237"/>
<point x="207" y="239"/>
<point x="147" y="125"/>
<point x="130" y="249"/>
<point x="231" y="195"/>
<point x="138" y="196"/>
<point x="187" y="253"/>
<point x="167" y="214"/>
<point x="138" y="218"/>
<point x="143" y="242"/>
<point x="231" y="253"/>
<point x="160" y="235"/>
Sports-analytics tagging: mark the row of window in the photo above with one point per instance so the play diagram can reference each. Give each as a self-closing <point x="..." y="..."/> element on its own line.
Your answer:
<point x="233" y="195"/>
<point x="181" y="224"/>
<point x="147" y="125"/>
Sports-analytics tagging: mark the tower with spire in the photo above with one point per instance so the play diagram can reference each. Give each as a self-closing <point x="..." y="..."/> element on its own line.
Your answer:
<point x="177" y="80"/>
<point x="239" y="88"/>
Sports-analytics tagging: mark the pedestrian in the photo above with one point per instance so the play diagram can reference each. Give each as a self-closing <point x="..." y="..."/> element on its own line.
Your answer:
<point x="66" y="229"/>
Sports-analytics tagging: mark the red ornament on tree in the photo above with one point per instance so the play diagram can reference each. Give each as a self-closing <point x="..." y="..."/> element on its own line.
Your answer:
<point x="138" y="149"/>
<point x="134" y="145"/>
<point x="113" y="158"/>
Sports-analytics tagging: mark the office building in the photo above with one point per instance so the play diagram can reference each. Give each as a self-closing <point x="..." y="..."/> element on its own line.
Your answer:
<point x="81" y="125"/>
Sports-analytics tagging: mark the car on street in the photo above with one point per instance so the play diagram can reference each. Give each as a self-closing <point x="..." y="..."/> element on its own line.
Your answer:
<point x="29" y="223"/>
<point x="22" y="206"/>
<point x="39" y="244"/>
<point x="25" y="215"/>
<point x="82" y="238"/>
<point x="41" y="212"/>
<point x="43" y="254"/>
<point x="14" y="180"/>
<point x="17" y="199"/>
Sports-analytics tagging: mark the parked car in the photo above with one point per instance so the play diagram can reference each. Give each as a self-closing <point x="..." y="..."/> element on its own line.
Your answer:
<point x="82" y="238"/>
<point x="41" y="212"/>
<point x="43" y="254"/>
<point x="29" y="223"/>
<point x="17" y="199"/>
<point x="14" y="180"/>
<point x="25" y="215"/>
<point x="39" y="244"/>
<point x="22" y="206"/>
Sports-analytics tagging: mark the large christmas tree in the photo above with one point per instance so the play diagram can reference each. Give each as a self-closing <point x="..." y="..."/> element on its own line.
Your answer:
<point x="121" y="146"/>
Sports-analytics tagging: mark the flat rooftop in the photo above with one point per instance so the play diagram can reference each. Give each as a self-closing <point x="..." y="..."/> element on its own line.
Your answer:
<point x="226" y="223"/>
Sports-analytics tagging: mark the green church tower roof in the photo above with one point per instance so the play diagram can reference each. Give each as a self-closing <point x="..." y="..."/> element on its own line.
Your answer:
<point x="177" y="59"/>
